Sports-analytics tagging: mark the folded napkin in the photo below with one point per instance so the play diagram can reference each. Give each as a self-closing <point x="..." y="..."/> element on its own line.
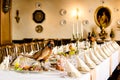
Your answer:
<point x="105" y="51"/>
<point x="106" y="47"/>
<point x="71" y="70"/>
<point x="55" y="50"/>
<point x="88" y="61"/>
<point x="81" y="65"/>
<point x="115" y="45"/>
<point x="100" y="51"/>
<point x="60" y="49"/>
<point x="93" y="57"/>
<point x="110" y="47"/>
<point x="97" y="54"/>
<point x="6" y="63"/>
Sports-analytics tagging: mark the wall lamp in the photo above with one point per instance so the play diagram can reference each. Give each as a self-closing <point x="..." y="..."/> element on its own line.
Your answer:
<point x="6" y="5"/>
<point x="17" y="16"/>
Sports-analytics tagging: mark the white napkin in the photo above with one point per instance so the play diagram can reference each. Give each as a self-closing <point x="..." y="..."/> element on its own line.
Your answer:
<point x="67" y="48"/>
<point x="60" y="49"/>
<point x="110" y="47"/>
<point x="93" y="57"/>
<point x="71" y="70"/>
<point x="105" y="51"/>
<point x="81" y="65"/>
<point x="106" y="47"/>
<point x="54" y="50"/>
<point x="115" y="45"/>
<point x="89" y="62"/>
<point x="100" y="51"/>
<point x="6" y="63"/>
<point x="97" y="54"/>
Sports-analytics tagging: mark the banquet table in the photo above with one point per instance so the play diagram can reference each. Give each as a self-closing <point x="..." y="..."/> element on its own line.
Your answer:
<point x="12" y="75"/>
<point x="101" y="72"/>
<point x="114" y="61"/>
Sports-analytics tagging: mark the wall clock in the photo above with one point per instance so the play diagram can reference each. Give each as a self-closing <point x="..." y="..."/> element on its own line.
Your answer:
<point x="38" y="16"/>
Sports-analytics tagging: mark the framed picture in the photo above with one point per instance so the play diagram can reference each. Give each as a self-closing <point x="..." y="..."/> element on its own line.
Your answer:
<point x="102" y="16"/>
<point x="38" y="16"/>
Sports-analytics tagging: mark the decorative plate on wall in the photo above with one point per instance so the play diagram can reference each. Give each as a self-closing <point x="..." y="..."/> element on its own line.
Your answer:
<point x="38" y="16"/>
<point x="85" y="22"/>
<point x="38" y="4"/>
<point x="63" y="22"/>
<point x="63" y="12"/>
<point x="38" y="28"/>
<point x="118" y="22"/>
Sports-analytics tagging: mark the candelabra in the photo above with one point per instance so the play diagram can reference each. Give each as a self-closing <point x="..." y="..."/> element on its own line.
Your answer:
<point x="78" y="31"/>
<point x="77" y="37"/>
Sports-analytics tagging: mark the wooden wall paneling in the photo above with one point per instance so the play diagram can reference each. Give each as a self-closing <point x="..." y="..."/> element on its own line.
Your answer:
<point x="5" y="26"/>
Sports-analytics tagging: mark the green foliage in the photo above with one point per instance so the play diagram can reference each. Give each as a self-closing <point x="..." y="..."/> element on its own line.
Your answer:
<point x="72" y="52"/>
<point x="69" y="53"/>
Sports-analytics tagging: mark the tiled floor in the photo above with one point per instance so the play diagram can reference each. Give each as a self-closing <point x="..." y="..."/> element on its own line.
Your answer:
<point x="116" y="74"/>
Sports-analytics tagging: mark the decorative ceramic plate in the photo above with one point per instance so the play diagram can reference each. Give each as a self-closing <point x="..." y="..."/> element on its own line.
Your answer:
<point x="118" y="22"/>
<point x="38" y="16"/>
<point x="39" y="28"/>
<point x="85" y="22"/>
<point x="63" y="12"/>
<point x="63" y="22"/>
<point x="38" y="4"/>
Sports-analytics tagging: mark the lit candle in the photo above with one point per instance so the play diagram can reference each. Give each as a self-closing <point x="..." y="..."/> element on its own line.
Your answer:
<point x="77" y="29"/>
<point x="73" y="28"/>
<point x="77" y="18"/>
<point x="81" y="29"/>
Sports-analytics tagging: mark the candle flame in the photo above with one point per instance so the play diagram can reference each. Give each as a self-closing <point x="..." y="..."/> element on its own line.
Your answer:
<point x="76" y="13"/>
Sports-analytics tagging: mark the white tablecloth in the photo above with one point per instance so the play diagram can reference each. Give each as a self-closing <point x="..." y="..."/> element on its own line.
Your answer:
<point x="12" y="75"/>
<point x="114" y="61"/>
<point x="101" y="72"/>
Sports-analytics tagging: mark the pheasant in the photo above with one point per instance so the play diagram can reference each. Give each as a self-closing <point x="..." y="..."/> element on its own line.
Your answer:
<point x="45" y="53"/>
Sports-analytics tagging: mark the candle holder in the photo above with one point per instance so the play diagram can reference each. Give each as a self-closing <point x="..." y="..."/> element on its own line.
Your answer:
<point x="77" y="37"/>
